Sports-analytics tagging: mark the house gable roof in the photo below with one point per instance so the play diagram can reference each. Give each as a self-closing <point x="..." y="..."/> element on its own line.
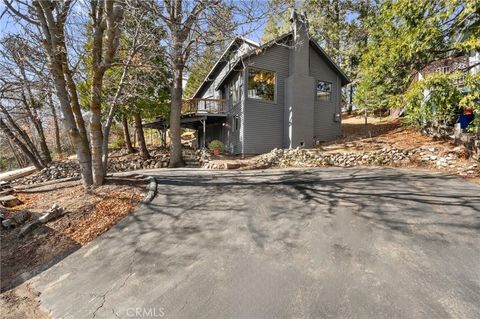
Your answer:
<point x="238" y="64"/>
<point x="256" y="51"/>
<point x="343" y="77"/>
<point x="234" y="45"/>
<point x="282" y="38"/>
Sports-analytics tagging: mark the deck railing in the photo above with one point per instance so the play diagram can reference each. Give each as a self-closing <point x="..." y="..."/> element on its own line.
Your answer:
<point x="209" y="106"/>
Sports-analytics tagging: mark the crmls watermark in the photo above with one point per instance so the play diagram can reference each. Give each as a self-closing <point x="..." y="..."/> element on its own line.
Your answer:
<point x="139" y="312"/>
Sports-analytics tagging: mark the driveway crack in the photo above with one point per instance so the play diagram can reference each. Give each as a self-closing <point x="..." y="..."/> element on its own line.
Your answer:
<point x="104" y="296"/>
<point x="114" y="313"/>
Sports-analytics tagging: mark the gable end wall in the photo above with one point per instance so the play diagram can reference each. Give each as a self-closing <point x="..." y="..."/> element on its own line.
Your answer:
<point x="325" y="128"/>
<point x="263" y="122"/>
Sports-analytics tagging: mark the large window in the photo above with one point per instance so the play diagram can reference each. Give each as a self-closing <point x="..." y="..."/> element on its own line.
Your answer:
<point x="261" y="85"/>
<point x="324" y="91"/>
<point x="236" y="90"/>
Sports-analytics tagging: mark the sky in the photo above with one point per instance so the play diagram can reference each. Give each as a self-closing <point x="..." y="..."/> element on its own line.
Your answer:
<point x="8" y="24"/>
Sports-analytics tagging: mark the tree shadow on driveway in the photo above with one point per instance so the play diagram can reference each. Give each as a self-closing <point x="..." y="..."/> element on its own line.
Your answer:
<point x="198" y="215"/>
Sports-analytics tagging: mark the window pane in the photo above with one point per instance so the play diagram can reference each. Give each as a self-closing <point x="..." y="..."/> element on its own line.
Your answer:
<point x="261" y="85"/>
<point x="324" y="90"/>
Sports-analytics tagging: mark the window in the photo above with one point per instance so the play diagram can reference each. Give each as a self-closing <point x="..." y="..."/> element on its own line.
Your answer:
<point x="324" y="91"/>
<point x="236" y="90"/>
<point x="261" y="85"/>
<point x="236" y="123"/>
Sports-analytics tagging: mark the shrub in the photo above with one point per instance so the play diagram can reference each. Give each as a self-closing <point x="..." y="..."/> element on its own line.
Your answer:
<point x="117" y="143"/>
<point x="434" y="100"/>
<point x="215" y="144"/>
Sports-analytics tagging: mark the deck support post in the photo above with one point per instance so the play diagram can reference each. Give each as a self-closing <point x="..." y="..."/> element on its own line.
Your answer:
<point x="203" y="135"/>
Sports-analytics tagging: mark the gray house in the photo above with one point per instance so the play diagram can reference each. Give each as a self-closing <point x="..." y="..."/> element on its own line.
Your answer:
<point x="283" y="94"/>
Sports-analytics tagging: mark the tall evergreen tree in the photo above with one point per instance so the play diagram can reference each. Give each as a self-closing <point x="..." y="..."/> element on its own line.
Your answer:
<point x="406" y="36"/>
<point x="199" y="70"/>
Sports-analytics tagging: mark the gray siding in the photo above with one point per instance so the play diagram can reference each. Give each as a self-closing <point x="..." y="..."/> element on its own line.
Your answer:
<point x="211" y="93"/>
<point x="234" y="138"/>
<point x="325" y="127"/>
<point x="263" y="122"/>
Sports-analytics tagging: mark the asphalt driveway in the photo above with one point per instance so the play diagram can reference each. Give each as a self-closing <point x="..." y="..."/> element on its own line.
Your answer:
<point x="337" y="243"/>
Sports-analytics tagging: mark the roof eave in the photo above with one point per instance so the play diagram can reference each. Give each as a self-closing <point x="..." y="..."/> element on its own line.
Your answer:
<point x="220" y="59"/>
<point x="229" y="73"/>
<point x="345" y="79"/>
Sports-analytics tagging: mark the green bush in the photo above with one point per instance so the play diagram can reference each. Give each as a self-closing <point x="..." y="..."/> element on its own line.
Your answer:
<point x="434" y="100"/>
<point x="117" y="143"/>
<point x="216" y="144"/>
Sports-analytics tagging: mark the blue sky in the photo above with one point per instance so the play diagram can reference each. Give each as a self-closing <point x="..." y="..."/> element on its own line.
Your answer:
<point x="7" y="23"/>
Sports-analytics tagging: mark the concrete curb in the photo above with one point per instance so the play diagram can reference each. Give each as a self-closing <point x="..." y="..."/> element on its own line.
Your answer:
<point x="151" y="190"/>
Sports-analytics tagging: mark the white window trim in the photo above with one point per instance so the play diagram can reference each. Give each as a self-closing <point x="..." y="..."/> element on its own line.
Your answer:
<point x="331" y="91"/>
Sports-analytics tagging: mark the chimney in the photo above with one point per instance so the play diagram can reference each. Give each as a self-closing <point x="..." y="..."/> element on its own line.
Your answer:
<point x="299" y="87"/>
<point x="300" y="44"/>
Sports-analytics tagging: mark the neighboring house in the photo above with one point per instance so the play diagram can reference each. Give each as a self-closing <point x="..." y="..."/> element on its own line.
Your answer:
<point x="474" y="61"/>
<point x="447" y="65"/>
<point x="283" y="94"/>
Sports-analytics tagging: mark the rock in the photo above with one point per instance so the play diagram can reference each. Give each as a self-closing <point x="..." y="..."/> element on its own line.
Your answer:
<point x="7" y="223"/>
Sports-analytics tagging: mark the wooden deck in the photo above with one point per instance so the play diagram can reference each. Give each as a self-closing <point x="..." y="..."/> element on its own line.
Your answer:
<point x="204" y="106"/>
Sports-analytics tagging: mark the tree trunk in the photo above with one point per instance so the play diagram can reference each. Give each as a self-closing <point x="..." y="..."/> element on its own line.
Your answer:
<point x="44" y="151"/>
<point x="126" y="135"/>
<point x="17" y="158"/>
<point x="23" y="136"/>
<point x="96" y="134"/>
<point x="163" y="137"/>
<point x="176" y="159"/>
<point x="350" y="99"/>
<point x="52" y="30"/>
<point x="112" y="110"/>
<point x="58" y="144"/>
<point x="21" y="145"/>
<point x="29" y="103"/>
<point x="141" y="137"/>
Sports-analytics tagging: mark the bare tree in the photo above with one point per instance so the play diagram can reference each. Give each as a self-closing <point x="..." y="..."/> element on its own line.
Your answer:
<point x="12" y="137"/>
<point x="58" y="143"/>
<point x="51" y="17"/>
<point x="23" y="92"/>
<point x="191" y="24"/>
<point x="139" y="34"/>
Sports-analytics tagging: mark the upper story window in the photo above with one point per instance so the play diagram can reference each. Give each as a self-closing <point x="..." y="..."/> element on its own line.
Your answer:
<point x="261" y="85"/>
<point x="324" y="91"/>
<point x="236" y="88"/>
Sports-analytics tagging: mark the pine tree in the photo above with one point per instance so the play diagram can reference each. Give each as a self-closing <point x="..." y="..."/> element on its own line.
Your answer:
<point x="199" y="70"/>
<point x="271" y="30"/>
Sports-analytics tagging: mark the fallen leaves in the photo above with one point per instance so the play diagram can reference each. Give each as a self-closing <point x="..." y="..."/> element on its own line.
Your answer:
<point x="106" y="213"/>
